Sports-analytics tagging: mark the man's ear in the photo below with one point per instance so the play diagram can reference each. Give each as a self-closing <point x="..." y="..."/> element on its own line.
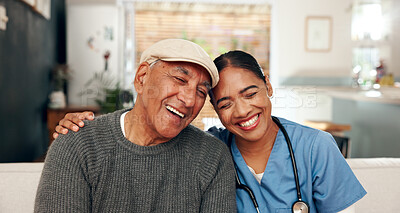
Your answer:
<point x="141" y="75"/>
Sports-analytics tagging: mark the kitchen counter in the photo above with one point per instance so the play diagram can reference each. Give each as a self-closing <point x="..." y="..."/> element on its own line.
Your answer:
<point x="388" y="95"/>
<point x="374" y="116"/>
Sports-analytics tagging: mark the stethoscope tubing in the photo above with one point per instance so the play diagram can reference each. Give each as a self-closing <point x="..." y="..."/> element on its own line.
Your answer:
<point x="247" y="189"/>
<point x="294" y="166"/>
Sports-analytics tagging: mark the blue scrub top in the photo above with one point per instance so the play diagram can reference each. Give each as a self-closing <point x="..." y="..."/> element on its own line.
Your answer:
<point x="327" y="183"/>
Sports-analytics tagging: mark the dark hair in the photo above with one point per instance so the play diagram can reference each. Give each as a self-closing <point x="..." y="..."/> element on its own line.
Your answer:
<point x="240" y="59"/>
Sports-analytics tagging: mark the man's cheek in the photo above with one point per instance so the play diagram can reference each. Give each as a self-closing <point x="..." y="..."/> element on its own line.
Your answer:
<point x="151" y="92"/>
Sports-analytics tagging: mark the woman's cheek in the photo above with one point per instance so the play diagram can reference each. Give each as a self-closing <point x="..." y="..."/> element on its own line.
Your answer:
<point x="262" y="102"/>
<point x="224" y="116"/>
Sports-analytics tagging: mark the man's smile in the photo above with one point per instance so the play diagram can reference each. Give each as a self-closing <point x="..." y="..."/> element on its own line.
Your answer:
<point x="175" y="111"/>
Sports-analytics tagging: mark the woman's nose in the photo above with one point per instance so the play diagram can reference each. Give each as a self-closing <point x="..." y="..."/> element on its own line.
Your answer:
<point x="241" y="108"/>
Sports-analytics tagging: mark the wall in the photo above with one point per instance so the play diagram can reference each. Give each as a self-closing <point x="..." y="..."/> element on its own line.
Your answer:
<point x="29" y="48"/>
<point x="84" y="22"/>
<point x="300" y="103"/>
<point x="292" y="65"/>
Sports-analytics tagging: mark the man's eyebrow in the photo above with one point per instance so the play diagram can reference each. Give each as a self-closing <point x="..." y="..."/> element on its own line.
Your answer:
<point x="182" y="70"/>
<point x="207" y="84"/>
<point x="247" y="88"/>
<point x="222" y="99"/>
<point x="186" y="72"/>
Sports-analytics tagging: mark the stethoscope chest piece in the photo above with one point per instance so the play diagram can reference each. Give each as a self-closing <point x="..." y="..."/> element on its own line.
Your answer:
<point x="300" y="207"/>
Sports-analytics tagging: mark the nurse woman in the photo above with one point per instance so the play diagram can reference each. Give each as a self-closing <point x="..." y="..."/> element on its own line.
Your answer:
<point x="261" y="153"/>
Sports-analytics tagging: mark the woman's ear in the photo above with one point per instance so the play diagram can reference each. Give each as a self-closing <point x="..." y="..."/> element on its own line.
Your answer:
<point x="141" y="76"/>
<point x="270" y="91"/>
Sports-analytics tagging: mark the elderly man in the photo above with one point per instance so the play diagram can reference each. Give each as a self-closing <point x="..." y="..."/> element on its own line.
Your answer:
<point x="148" y="159"/>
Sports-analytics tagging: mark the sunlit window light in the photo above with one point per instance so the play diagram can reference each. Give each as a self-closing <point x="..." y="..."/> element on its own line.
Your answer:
<point x="128" y="44"/>
<point x="367" y="21"/>
<point x="376" y="86"/>
<point x="373" y="94"/>
<point x="364" y="64"/>
<point x="372" y="73"/>
<point x="129" y="66"/>
<point x="357" y="69"/>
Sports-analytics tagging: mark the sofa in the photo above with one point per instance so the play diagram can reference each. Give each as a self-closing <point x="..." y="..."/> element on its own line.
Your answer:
<point x="379" y="176"/>
<point x="381" y="179"/>
<point x="18" y="184"/>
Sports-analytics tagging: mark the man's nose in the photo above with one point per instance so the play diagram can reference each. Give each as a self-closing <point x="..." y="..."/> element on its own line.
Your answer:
<point x="188" y="96"/>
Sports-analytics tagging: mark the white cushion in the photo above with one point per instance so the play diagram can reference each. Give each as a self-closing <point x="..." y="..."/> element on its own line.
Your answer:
<point x="379" y="176"/>
<point x="18" y="185"/>
<point x="381" y="179"/>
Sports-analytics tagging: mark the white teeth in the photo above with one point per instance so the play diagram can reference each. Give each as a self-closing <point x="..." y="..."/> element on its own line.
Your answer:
<point x="249" y="122"/>
<point x="171" y="109"/>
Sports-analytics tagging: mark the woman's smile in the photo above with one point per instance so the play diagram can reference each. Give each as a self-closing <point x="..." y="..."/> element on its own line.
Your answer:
<point x="242" y="103"/>
<point x="250" y="123"/>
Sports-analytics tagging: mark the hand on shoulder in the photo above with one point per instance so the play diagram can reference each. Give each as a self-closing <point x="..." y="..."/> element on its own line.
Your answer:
<point x="72" y="121"/>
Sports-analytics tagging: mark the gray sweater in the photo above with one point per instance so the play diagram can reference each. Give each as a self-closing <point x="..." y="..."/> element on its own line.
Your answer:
<point x="98" y="170"/>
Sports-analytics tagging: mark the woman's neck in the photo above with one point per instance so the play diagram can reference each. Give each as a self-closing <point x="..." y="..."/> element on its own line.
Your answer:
<point x="256" y="153"/>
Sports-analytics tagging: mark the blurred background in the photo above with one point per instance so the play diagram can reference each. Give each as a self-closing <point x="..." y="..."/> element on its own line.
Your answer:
<point x="334" y="65"/>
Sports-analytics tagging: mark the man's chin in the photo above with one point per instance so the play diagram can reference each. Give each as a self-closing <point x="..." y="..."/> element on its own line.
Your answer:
<point x="168" y="135"/>
<point x="171" y="128"/>
<point x="170" y="131"/>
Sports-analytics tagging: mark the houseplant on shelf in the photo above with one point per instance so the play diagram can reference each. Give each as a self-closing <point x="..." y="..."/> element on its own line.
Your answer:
<point x="59" y="83"/>
<point x="109" y="96"/>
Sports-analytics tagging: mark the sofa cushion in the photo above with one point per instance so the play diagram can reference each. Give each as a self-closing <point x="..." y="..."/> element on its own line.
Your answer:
<point x="18" y="185"/>
<point x="380" y="178"/>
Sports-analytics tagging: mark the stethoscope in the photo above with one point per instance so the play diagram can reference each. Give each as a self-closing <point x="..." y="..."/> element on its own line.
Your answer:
<point x="298" y="206"/>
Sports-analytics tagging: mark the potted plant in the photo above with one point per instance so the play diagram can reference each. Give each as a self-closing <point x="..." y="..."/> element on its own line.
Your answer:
<point x="109" y="95"/>
<point x="59" y="81"/>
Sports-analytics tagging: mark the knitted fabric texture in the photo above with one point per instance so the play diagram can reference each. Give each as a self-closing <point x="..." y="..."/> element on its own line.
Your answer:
<point x="98" y="170"/>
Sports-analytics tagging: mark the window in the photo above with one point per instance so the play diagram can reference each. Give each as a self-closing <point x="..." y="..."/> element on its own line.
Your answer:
<point x="370" y="32"/>
<point x="365" y="61"/>
<point x="217" y="28"/>
<point x="367" y="21"/>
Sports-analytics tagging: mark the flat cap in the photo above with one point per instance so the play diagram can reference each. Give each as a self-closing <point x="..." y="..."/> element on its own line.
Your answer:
<point x="181" y="50"/>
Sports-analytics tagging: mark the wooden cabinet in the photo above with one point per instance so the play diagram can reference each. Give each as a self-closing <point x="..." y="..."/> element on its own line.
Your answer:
<point x="55" y="115"/>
